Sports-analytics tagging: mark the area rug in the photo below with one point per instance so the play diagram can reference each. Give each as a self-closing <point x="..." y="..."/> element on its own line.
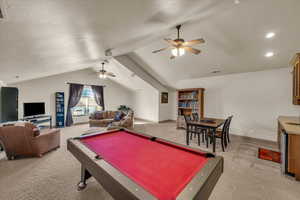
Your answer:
<point x="266" y="154"/>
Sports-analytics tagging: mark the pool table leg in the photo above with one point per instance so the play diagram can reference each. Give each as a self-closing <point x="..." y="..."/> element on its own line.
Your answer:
<point x="85" y="175"/>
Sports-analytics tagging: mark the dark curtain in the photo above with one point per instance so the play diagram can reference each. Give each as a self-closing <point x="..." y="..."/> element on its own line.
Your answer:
<point x="98" y="93"/>
<point x="75" y="93"/>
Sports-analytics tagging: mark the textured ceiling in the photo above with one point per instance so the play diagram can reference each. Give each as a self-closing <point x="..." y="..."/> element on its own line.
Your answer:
<point x="41" y="37"/>
<point x="235" y="41"/>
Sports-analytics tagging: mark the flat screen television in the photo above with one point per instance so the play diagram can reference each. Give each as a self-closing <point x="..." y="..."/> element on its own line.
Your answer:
<point x="32" y="109"/>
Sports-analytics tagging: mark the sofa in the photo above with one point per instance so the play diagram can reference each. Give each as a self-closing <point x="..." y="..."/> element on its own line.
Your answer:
<point x="108" y="119"/>
<point x="26" y="139"/>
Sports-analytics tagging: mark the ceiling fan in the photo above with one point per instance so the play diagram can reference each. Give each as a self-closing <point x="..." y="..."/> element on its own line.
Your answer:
<point x="179" y="46"/>
<point x="103" y="74"/>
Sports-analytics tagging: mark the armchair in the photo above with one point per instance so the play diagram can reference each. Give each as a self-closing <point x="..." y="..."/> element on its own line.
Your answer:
<point x="27" y="140"/>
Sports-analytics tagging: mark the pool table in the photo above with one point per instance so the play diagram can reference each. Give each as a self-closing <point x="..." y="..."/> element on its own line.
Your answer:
<point x="136" y="166"/>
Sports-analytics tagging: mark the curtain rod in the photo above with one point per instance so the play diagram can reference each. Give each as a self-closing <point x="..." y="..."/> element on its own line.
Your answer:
<point x="85" y="84"/>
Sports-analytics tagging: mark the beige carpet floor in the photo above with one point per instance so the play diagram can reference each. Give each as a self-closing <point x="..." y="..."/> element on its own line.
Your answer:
<point x="55" y="175"/>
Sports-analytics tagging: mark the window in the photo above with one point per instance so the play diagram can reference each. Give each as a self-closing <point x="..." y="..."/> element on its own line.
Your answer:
<point x="87" y="103"/>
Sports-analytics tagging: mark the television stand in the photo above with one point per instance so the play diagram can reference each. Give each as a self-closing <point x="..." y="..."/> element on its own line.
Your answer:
<point x="39" y="119"/>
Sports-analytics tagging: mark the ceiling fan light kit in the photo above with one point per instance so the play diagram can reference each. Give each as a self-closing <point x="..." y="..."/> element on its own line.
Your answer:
<point x="178" y="51"/>
<point x="103" y="74"/>
<point x="179" y="46"/>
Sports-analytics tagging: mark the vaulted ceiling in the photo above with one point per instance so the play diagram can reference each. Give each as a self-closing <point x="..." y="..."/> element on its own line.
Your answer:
<point x="235" y="41"/>
<point x="40" y="37"/>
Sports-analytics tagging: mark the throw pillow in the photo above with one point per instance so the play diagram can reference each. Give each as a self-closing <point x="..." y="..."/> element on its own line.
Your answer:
<point x="118" y="116"/>
<point x="99" y="115"/>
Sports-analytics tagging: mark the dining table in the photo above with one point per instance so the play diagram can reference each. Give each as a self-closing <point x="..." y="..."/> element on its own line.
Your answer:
<point x="210" y="124"/>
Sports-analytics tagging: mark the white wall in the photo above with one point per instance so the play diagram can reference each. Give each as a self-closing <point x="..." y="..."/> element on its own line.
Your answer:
<point x="146" y="104"/>
<point x="148" y="93"/>
<point x="43" y="90"/>
<point x="2" y="83"/>
<point x="255" y="99"/>
<point x="168" y="110"/>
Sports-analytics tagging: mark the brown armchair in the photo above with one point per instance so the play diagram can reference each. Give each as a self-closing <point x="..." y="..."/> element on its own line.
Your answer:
<point x="27" y="140"/>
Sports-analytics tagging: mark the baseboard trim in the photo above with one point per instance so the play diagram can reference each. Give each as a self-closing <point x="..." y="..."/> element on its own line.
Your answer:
<point x="253" y="139"/>
<point x="137" y="118"/>
<point x="80" y="123"/>
<point x="166" y="121"/>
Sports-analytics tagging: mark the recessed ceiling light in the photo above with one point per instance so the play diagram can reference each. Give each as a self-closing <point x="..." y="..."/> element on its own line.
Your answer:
<point x="270" y="35"/>
<point x="237" y="1"/>
<point x="269" y="54"/>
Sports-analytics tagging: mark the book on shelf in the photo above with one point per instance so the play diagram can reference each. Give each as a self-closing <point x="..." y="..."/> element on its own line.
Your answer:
<point x="188" y="104"/>
<point x="190" y="100"/>
<point x="190" y="95"/>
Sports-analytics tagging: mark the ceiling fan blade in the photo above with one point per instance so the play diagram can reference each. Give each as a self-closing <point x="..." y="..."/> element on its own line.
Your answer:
<point x="159" y="50"/>
<point x="192" y="50"/>
<point x="93" y="72"/>
<point x="171" y="42"/>
<point x="110" y="74"/>
<point x="172" y="57"/>
<point x="193" y="42"/>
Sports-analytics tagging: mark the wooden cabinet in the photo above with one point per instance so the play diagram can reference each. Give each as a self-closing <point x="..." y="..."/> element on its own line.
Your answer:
<point x="289" y="144"/>
<point x="8" y="104"/>
<point x="189" y="101"/>
<point x="295" y="63"/>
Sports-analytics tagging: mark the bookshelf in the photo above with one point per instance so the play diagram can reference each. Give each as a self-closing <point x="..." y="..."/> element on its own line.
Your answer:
<point x="189" y="101"/>
<point x="60" y="109"/>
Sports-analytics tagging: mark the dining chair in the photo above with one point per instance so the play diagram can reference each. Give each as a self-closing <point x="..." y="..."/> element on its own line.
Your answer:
<point x="191" y="128"/>
<point x="195" y="116"/>
<point x="187" y="119"/>
<point x="203" y="131"/>
<point x="221" y="134"/>
<point x="228" y="128"/>
<point x="195" y="130"/>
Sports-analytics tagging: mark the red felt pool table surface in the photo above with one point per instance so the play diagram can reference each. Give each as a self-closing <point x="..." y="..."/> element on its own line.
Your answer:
<point x="161" y="168"/>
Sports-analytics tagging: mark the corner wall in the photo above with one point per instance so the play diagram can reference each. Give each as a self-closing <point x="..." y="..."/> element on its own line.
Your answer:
<point x="255" y="99"/>
<point x="146" y="104"/>
<point x="167" y="111"/>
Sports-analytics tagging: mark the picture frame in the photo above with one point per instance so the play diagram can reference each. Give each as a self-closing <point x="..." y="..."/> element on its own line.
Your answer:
<point x="164" y="97"/>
